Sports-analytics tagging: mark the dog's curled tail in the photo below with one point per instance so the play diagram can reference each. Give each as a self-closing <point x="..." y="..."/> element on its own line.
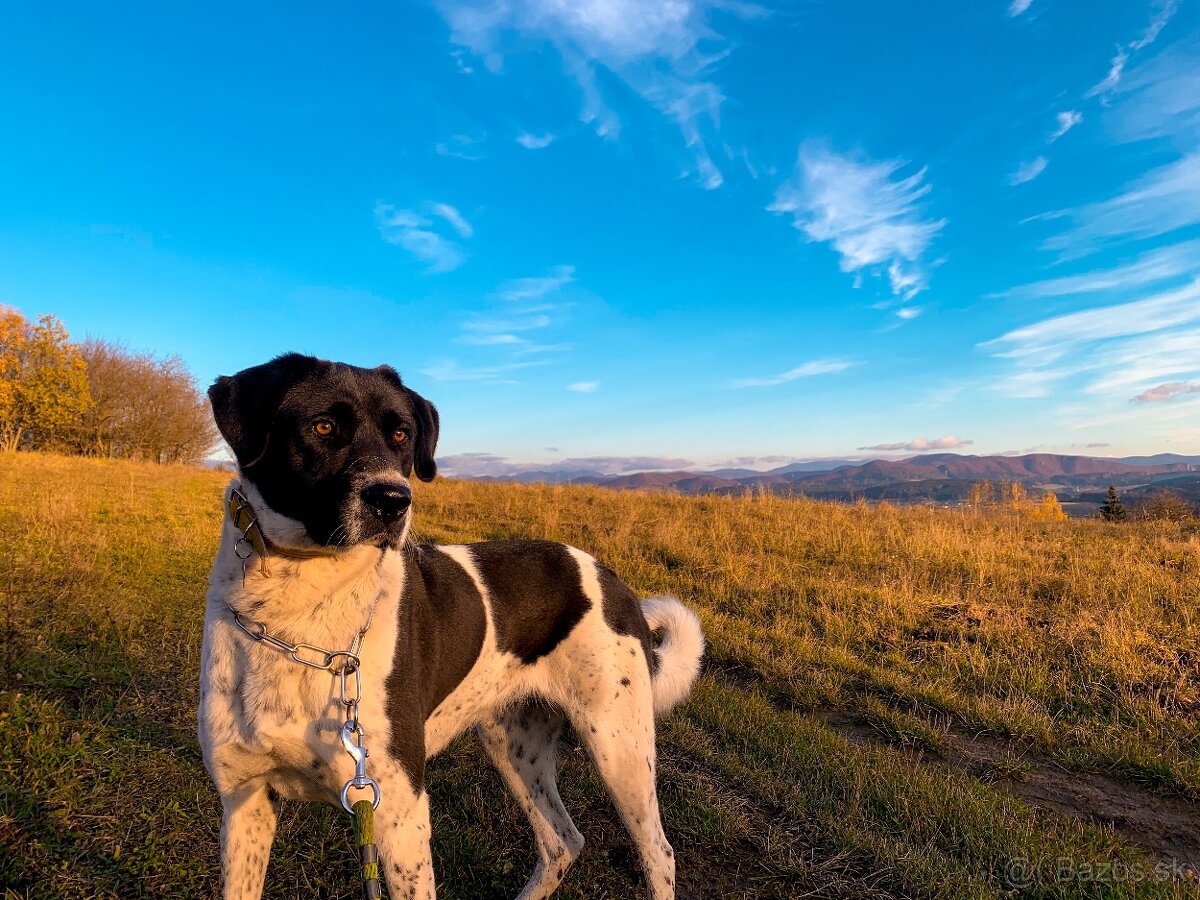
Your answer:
<point x="678" y="654"/>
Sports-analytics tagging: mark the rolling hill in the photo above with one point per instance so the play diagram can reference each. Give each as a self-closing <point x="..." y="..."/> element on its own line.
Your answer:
<point x="933" y="477"/>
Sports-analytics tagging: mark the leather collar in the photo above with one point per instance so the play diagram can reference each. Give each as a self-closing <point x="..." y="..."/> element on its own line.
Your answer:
<point x="245" y="519"/>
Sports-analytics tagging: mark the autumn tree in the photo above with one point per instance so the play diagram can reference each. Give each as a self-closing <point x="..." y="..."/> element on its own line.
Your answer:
<point x="143" y="408"/>
<point x="980" y="495"/>
<point x="1013" y="496"/>
<point x="1049" y="509"/>
<point x="43" y="381"/>
<point x="1165" y="506"/>
<point x="1016" y="496"/>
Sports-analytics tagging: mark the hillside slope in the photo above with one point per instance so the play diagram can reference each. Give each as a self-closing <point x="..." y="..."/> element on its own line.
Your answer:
<point x="897" y="702"/>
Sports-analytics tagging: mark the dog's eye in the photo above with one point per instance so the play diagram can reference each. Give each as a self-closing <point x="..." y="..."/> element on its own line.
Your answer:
<point x="399" y="437"/>
<point x="324" y="427"/>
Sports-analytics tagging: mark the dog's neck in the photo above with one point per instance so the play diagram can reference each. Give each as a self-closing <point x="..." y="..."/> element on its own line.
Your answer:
<point x="322" y="600"/>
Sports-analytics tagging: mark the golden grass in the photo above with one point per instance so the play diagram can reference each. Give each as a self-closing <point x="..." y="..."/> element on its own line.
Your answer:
<point x="1076" y="640"/>
<point x="1079" y="636"/>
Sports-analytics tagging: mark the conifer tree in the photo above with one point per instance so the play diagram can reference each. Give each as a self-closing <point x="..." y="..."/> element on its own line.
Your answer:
<point x="1113" y="510"/>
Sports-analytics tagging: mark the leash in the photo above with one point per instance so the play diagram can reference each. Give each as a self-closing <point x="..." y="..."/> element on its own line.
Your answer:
<point x="345" y="666"/>
<point x="368" y="853"/>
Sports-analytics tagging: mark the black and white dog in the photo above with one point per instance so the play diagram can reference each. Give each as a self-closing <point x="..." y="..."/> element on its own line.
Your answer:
<point x="515" y="638"/>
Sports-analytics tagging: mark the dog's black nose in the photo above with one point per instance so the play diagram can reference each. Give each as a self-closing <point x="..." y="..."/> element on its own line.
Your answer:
<point x="387" y="501"/>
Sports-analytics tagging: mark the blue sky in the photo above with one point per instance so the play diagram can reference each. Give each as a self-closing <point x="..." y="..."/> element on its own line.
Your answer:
<point x="682" y="232"/>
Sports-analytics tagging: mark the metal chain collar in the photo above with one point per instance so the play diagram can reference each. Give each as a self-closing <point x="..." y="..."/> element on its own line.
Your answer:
<point x="349" y="688"/>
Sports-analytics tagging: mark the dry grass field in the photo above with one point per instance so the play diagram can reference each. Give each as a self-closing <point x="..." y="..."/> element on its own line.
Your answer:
<point x="896" y="703"/>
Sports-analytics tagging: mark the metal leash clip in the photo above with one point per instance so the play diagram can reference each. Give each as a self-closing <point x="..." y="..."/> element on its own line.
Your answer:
<point x="359" y="754"/>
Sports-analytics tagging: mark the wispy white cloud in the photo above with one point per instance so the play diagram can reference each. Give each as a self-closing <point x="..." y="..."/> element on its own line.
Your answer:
<point x="664" y="51"/>
<point x="949" y="442"/>
<point x="1155" y="424"/>
<point x="1160" y="264"/>
<point x="1162" y="200"/>
<point x="1028" y="171"/>
<point x="945" y="393"/>
<point x="622" y="464"/>
<point x="504" y="333"/>
<point x="492" y="340"/>
<point x="451" y="215"/>
<point x="536" y="288"/>
<point x="1172" y="390"/>
<point x="498" y="326"/>
<point x="461" y="146"/>
<point x="746" y="462"/>
<point x="909" y="312"/>
<point x="869" y="213"/>
<point x="451" y="370"/>
<point x="808" y="370"/>
<point x="531" y="349"/>
<point x="1161" y="98"/>
<point x="1066" y="121"/>
<point x="1126" y="365"/>
<point x="418" y="233"/>
<point x="1163" y="11"/>
<point x="1017" y="7"/>
<point x="463" y="66"/>
<point x="1116" y="348"/>
<point x="1115" y="69"/>
<point x="584" y="387"/>
<point x="474" y="465"/>
<point x="534" y="141"/>
<point x="1157" y="99"/>
<point x="1051" y="338"/>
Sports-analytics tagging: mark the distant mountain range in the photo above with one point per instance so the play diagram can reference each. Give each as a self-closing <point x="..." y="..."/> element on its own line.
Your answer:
<point x="937" y="477"/>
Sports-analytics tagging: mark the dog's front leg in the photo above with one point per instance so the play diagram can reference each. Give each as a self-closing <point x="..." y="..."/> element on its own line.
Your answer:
<point x="402" y="831"/>
<point x="247" y="830"/>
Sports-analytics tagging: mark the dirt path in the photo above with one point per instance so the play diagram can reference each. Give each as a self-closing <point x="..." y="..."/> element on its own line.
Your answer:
<point x="1167" y="827"/>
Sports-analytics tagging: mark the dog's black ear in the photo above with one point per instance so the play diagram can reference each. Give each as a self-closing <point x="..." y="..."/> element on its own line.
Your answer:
<point x="244" y="404"/>
<point x="428" y="423"/>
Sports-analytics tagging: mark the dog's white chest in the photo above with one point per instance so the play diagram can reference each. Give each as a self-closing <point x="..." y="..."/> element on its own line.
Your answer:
<point x="263" y="715"/>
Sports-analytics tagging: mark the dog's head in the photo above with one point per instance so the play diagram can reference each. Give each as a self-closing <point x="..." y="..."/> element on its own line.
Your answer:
<point x="329" y="446"/>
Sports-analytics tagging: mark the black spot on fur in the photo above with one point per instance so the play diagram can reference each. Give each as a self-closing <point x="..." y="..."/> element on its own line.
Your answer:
<point x="448" y="617"/>
<point x="536" y="593"/>
<point x="623" y="612"/>
<point x="440" y="634"/>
